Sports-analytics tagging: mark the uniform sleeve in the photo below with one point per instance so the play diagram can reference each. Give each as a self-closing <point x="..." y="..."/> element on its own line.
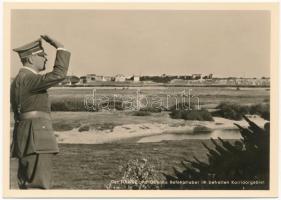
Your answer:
<point x="42" y="82"/>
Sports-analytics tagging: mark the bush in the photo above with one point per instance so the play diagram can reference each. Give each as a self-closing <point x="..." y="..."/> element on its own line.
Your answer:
<point x="231" y="110"/>
<point x="201" y="129"/>
<point x="141" y="113"/>
<point x="261" y="109"/>
<point x="137" y="175"/>
<point x="80" y="104"/>
<point x="246" y="159"/>
<point x="236" y="112"/>
<point x="153" y="109"/>
<point x="68" y="104"/>
<point x="200" y="115"/>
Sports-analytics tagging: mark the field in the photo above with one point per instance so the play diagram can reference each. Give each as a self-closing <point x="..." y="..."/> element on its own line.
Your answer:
<point x="206" y="97"/>
<point x="93" y="164"/>
<point x="82" y="166"/>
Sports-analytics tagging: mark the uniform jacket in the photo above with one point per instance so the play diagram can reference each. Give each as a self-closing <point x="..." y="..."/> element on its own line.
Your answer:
<point x="29" y="93"/>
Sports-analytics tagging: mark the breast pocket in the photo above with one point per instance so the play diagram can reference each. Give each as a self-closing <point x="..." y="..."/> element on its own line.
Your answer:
<point x="43" y="136"/>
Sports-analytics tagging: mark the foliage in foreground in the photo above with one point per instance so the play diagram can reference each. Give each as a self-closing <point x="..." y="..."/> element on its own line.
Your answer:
<point x="247" y="159"/>
<point x="138" y="174"/>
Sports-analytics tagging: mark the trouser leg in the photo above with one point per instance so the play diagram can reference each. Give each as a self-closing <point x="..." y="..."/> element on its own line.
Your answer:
<point x="35" y="171"/>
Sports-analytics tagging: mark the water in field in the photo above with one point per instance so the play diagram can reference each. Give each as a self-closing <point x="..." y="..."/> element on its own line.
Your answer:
<point x="224" y="134"/>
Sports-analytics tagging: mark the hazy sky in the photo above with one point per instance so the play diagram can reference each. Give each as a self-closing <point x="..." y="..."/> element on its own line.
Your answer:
<point x="108" y="42"/>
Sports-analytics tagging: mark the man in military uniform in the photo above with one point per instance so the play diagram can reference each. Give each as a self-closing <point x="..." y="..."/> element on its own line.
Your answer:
<point x="34" y="143"/>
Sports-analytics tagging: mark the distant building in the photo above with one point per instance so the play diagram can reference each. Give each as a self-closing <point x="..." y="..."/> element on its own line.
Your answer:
<point x="107" y="78"/>
<point x="210" y="76"/>
<point x="99" y="78"/>
<point x="120" y="78"/>
<point x="83" y="80"/>
<point x="90" y="78"/>
<point x="136" y="78"/>
<point x="187" y="77"/>
<point x="93" y="77"/>
<point x="264" y="81"/>
<point x="231" y="81"/>
<point x="70" y="80"/>
<point x="196" y="76"/>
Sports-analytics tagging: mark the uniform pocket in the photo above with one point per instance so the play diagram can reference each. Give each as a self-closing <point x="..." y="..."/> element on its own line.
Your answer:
<point x="43" y="136"/>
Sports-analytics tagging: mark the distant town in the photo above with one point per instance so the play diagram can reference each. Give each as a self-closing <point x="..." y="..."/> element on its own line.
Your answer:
<point x="164" y="79"/>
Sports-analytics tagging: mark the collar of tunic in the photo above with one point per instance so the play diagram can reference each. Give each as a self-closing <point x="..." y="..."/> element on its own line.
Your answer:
<point x="30" y="69"/>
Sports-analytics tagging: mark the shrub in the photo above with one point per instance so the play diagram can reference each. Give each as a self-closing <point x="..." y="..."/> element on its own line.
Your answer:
<point x="261" y="109"/>
<point x="201" y="129"/>
<point x="246" y="159"/>
<point x="67" y="104"/>
<point x="231" y="110"/>
<point x="200" y="115"/>
<point x="235" y="111"/>
<point x="79" y="104"/>
<point x="138" y="174"/>
<point x="153" y="109"/>
<point x="141" y="113"/>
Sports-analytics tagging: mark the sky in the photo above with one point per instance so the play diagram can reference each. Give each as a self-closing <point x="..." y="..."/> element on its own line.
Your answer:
<point x="150" y="42"/>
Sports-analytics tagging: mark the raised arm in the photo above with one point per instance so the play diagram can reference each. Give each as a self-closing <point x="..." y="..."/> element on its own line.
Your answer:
<point x="42" y="82"/>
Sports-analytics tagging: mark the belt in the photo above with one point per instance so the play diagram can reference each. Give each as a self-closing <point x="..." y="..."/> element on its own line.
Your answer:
<point x="35" y="114"/>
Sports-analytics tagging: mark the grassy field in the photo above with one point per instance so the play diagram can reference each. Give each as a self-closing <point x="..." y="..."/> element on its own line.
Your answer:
<point x="94" y="166"/>
<point x="209" y="97"/>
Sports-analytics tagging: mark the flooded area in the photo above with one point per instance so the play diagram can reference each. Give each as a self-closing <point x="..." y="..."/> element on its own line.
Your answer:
<point x="159" y="128"/>
<point x="122" y="127"/>
<point x="224" y="134"/>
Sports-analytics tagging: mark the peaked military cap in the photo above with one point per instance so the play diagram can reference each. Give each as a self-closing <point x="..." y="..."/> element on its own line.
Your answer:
<point x="31" y="48"/>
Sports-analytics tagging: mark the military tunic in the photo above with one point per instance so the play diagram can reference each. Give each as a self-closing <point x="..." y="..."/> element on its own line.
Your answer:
<point x="29" y="93"/>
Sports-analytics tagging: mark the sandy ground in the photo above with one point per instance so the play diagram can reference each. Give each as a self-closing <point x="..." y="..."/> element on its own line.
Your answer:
<point x="127" y="131"/>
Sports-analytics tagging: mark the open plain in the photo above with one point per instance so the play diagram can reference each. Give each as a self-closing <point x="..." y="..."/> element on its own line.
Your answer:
<point x="94" y="145"/>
